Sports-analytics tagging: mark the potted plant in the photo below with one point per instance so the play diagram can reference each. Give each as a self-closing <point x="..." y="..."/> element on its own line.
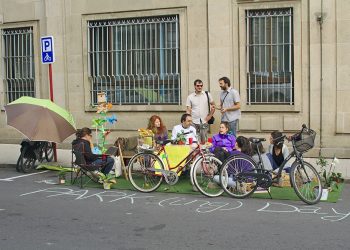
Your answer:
<point x="330" y="179"/>
<point x="62" y="177"/>
<point x="180" y="139"/>
<point x="107" y="180"/>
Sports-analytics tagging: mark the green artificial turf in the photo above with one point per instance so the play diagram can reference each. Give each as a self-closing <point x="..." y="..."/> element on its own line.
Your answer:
<point x="184" y="186"/>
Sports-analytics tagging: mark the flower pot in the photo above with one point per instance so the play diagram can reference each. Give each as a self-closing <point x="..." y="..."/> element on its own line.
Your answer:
<point x="107" y="185"/>
<point x="61" y="179"/>
<point x="324" y="196"/>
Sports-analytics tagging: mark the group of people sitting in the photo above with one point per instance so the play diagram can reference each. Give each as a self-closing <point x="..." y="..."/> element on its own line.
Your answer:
<point x="224" y="144"/>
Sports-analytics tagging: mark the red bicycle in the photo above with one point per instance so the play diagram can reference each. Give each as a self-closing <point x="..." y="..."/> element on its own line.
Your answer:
<point x="147" y="169"/>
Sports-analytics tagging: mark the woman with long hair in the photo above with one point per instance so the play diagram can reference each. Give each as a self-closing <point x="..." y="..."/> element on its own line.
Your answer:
<point x="158" y="128"/>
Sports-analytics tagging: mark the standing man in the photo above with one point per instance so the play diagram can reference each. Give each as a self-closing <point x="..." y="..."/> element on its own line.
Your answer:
<point x="201" y="106"/>
<point x="230" y="104"/>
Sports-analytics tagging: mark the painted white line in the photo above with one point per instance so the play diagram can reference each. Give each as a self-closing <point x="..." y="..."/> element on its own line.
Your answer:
<point x="51" y="182"/>
<point x="25" y="175"/>
<point x="2" y="209"/>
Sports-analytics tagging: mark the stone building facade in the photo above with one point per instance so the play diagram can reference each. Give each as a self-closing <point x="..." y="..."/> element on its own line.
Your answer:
<point x="288" y="59"/>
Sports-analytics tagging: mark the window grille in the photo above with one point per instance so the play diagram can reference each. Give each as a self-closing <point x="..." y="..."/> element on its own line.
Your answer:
<point x="270" y="56"/>
<point x="18" y="63"/>
<point x="136" y="60"/>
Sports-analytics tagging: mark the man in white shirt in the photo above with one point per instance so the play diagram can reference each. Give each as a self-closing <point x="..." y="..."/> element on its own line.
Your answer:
<point x="201" y="106"/>
<point x="185" y="128"/>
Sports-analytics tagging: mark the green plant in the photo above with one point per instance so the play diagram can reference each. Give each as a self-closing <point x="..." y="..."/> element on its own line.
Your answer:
<point x="62" y="174"/>
<point x="329" y="177"/>
<point x="180" y="138"/>
<point x="107" y="178"/>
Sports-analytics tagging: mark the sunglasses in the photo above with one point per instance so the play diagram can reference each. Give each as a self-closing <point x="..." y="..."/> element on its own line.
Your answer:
<point x="199" y="86"/>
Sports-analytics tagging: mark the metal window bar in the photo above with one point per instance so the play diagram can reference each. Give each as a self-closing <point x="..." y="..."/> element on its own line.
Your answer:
<point x="269" y="51"/>
<point x="135" y="60"/>
<point x="18" y="56"/>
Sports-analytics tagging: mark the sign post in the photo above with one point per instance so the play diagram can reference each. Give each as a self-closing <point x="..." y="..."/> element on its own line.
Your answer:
<point x="48" y="57"/>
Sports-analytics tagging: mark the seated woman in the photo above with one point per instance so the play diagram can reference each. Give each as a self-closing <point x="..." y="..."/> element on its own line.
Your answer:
<point x="158" y="128"/>
<point x="223" y="143"/>
<point x="265" y="157"/>
<point x="84" y="138"/>
<point x="243" y="146"/>
<point x="278" y="150"/>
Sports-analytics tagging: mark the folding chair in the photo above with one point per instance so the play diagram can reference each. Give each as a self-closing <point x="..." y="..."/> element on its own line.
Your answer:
<point x="82" y="170"/>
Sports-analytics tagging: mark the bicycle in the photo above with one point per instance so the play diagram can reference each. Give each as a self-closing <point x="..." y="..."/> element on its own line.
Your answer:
<point x="32" y="151"/>
<point x="240" y="175"/>
<point x="147" y="170"/>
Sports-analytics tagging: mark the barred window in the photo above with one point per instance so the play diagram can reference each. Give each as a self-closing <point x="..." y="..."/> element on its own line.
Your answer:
<point x="135" y="60"/>
<point x="18" y="63"/>
<point x="270" y="56"/>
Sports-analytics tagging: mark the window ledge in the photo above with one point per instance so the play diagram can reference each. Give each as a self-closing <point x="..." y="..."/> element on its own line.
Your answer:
<point x="270" y="108"/>
<point x="140" y="108"/>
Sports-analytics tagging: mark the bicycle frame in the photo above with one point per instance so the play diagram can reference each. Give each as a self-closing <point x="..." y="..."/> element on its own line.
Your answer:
<point x="298" y="158"/>
<point x="187" y="159"/>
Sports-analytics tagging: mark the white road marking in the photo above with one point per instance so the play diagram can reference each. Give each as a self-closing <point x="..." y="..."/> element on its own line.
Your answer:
<point x="25" y="175"/>
<point x="51" y="182"/>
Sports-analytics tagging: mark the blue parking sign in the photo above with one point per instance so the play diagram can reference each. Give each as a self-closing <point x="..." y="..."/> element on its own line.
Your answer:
<point x="47" y="50"/>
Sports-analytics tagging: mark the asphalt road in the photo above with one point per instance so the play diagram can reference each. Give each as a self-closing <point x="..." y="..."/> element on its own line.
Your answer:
<point x="35" y="213"/>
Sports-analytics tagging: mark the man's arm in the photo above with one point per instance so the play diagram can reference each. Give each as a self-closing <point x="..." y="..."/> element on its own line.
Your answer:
<point x="173" y="133"/>
<point x="188" y="105"/>
<point x="236" y="106"/>
<point x="189" y="110"/>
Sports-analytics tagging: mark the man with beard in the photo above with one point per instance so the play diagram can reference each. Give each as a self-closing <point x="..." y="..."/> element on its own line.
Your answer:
<point x="229" y="104"/>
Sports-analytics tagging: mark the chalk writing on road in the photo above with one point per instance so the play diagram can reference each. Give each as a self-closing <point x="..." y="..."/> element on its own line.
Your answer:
<point x="200" y="206"/>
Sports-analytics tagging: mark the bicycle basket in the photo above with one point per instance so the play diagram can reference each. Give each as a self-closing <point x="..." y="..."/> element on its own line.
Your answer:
<point x="305" y="141"/>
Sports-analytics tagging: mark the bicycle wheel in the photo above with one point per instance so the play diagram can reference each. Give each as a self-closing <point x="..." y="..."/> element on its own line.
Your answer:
<point x="48" y="151"/>
<point x="26" y="161"/>
<point x="19" y="163"/>
<point x="143" y="173"/>
<point x="306" y="182"/>
<point x="205" y="174"/>
<point x="235" y="185"/>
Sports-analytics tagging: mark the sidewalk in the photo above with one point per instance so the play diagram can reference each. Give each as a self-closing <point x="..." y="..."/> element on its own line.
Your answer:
<point x="10" y="153"/>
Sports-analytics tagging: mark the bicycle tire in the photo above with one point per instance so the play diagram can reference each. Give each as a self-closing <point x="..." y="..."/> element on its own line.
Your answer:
<point x="244" y="186"/>
<point x="306" y="182"/>
<point x="48" y="150"/>
<point x="19" y="163"/>
<point x="27" y="160"/>
<point x="203" y="173"/>
<point x="142" y="174"/>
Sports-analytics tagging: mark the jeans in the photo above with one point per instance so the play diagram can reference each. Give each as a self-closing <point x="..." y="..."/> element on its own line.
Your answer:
<point x="233" y="127"/>
<point x="109" y="162"/>
<point x="221" y="154"/>
<point x="203" y="133"/>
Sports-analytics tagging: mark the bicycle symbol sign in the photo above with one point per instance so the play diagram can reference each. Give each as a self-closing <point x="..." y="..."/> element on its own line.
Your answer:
<point x="47" y="50"/>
